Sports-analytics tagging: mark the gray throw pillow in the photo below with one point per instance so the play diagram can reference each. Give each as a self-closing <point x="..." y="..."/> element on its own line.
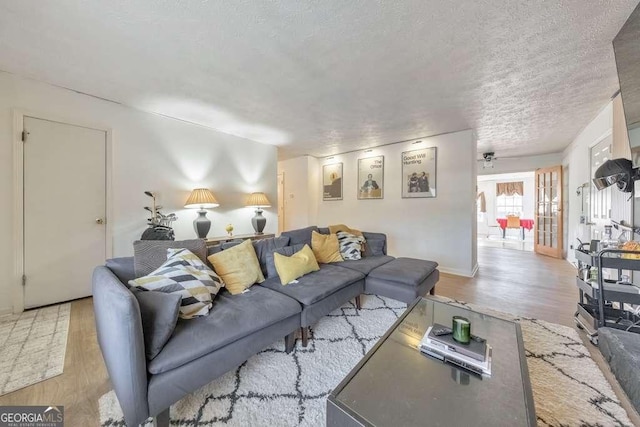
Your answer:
<point x="286" y="251"/>
<point x="264" y="247"/>
<point x="149" y="255"/>
<point x="374" y="247"/>
<point x="300" y="236"/>
<point x="231" y="243"/>
<point x="211" y="250"/>
<point x="159" y="312"/>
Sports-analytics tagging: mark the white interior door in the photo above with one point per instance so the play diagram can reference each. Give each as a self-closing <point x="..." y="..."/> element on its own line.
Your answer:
<point x="64" y="210"/>
<point x="280" y="203"/>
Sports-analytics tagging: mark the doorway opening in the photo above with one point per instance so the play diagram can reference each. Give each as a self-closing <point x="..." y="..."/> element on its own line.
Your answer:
<point x="505" y="210"/>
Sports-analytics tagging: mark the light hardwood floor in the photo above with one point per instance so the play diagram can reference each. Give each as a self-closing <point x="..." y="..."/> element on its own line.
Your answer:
<point x="518" y="282"/>
<point x="84" y="379"/>
<point x="521" y="283"/>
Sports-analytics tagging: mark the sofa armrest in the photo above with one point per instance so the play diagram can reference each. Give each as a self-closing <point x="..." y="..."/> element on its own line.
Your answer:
<point x="119" y="329"/>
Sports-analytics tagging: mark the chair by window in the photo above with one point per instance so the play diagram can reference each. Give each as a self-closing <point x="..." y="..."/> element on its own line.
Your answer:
<point x="513" y="221"/>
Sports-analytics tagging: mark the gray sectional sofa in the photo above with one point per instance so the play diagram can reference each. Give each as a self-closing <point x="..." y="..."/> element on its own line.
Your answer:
<point x="621" y="349"/>
<point x="238" y="326"/>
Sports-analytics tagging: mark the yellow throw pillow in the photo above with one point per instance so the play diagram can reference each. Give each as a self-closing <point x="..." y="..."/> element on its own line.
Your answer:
<point x="325" y="247"/>
<point x="297" y="265"/>
<point x="334" y="229"/>
<point x="238" y="266"/>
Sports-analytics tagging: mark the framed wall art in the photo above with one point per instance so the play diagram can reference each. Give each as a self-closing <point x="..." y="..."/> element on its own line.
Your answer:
<point x="332" y="181"/>
<point x="371" y="178"/>
<point x="419" y="173"/>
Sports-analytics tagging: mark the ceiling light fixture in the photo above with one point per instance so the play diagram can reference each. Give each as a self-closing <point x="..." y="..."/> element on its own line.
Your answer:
<point x="488" y="160"/>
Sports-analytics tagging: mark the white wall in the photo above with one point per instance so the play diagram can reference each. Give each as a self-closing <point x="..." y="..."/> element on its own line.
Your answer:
<point x="521" y="164"/>
<point x="576" y="156"/>
<point x="150" y="152"/>
<point x="487" y="183"/>
<point x="441" y="229"/>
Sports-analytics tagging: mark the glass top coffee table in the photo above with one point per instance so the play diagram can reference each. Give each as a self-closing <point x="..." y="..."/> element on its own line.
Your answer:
<point x="396" y="385"/>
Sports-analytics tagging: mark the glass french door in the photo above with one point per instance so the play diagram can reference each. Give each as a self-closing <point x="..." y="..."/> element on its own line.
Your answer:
<point x="548" y="217"/>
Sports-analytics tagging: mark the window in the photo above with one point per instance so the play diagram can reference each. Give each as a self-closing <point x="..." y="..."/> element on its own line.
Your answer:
<point x="508" y="205"/>
<point x="509" y="198"/>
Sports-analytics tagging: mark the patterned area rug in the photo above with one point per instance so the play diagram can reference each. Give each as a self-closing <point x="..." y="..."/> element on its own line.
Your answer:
<point x="32" y="346"/>
<point x="277" y="389"/>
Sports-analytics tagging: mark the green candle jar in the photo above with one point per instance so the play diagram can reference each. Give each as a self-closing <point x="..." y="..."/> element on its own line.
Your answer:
<point x="461" y="329"/>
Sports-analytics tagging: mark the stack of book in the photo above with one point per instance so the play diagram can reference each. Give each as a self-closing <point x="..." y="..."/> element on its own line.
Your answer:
<point x="438" y="342"/>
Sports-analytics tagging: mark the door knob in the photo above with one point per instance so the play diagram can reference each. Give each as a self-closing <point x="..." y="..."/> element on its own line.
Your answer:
<point x="100" y="221"/>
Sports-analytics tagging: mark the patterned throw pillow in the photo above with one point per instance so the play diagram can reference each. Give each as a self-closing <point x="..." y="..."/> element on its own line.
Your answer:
<point x="187" y="256"/>
<point x="350" y="245"/>
<point x="185" y="274"/>
<point x="149" y="255"/>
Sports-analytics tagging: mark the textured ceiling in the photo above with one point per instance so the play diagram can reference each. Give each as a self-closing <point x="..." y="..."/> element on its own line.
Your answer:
<point x="321" y="77"/>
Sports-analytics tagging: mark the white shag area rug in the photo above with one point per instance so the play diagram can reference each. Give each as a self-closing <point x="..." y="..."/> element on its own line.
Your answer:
<point x="32" y="346"/>
<point x="278" y="389"/>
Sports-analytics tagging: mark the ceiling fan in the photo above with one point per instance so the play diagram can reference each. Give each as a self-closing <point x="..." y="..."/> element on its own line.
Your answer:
<point x="488" y="157"/>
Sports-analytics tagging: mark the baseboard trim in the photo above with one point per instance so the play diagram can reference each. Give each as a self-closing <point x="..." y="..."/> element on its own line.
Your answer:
<point x="475" y="270"/>
<point x="5" y="311"/>
<point x="457" y="272"/>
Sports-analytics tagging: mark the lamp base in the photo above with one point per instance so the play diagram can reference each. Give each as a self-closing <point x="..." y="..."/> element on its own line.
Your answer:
<point x="202" y="225"/>
<point x="258" y="222"/>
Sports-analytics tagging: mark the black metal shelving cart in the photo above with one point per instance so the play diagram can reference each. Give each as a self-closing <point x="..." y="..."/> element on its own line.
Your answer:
<point x="595" y="307"/>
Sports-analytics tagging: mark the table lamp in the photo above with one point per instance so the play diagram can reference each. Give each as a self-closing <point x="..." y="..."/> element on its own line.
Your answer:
<point x="258" y="201"/>
<point x="201" y="198"/>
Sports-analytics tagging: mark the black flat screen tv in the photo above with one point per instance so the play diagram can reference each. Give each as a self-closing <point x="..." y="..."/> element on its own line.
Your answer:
<point x="626" y="47"/>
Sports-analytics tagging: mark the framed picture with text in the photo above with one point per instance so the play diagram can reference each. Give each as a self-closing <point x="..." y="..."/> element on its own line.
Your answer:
<point x="419" y="173"/>
<point x="371" y="178"/>
<point x="332" y="181"/>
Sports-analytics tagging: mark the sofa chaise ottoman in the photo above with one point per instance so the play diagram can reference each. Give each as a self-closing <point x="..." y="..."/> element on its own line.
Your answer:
<point x="403" y="279"/>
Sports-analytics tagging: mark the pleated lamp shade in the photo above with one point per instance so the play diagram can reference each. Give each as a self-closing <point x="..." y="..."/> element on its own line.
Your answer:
<point x="201" y="198"/>
<point x="258" y="200"/>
